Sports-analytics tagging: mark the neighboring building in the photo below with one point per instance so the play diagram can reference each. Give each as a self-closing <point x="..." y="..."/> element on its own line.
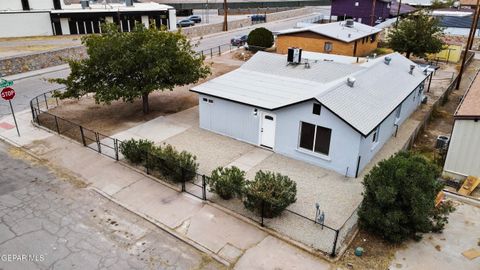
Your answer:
<point x="468" y="3"/>
<point x="53" y="17"/>
<point x="457" y="26"/>
<point x="453" y="12"/>
<point x="404" y="9"/>
<point x="333" y="115"/>
<point x="463" y="156"/>
<point x="361" y="11"/>
<point x="341" y="38"/>
<point x="418" y="3"/>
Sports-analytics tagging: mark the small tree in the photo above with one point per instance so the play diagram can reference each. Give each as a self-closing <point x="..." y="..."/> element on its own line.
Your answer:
<point x="227" y="182"/>
<point x="261" y="38"/>
<point x="271" y="192"/>
<point x="418" y="34"/>
<point x="130" y="65"/>
<point x="399" y="198"/>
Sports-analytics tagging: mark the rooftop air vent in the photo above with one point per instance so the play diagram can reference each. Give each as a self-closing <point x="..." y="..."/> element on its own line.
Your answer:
<point x="387" y="60"/>
<point x="349" y="23"/>
<point x="128" y="3"/>
<point x="351" y="81"/>
<point x="85" y="4"/>
<point x="294" y="55"/>
<point x="412" y="67"/>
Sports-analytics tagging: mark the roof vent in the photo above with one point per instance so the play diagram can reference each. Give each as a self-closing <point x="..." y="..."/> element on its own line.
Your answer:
<point x="85" y="3"/>
<point x="412" y="67"/>
<point x="387" y="60"/>
<point x="349" y="23"/>
<point x="351" y="81"/>
<point x="128" y="3"/>
<point x="294" y="55"/>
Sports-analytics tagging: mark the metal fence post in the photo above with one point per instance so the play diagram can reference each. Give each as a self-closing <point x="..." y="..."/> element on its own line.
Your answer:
<point x="115" y="144"/>
<point x="56" y="124"/>
<point x="335" y="244"/>
<point x="33" y="112"/>
<point x="97" y="138"/>
<point x="211" y="52"/>
<point x="45" y="97"/>
<point x="219" y="50"/>
<point x="184" y="188"/>
<point x="83" y="136"/>
<point x="204" y="188"/>
<point x="263" y="211"/>
<point x="146" y="162"/>
<point x="38" y="104"/>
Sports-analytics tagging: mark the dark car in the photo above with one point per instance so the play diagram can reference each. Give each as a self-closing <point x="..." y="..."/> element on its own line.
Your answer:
<point x="239" y="41"/>
<point x="195" y="18"/>
<point x="185" y="23"/>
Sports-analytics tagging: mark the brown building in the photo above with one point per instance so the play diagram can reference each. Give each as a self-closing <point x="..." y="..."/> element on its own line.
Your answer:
<point x="343" y="38"/>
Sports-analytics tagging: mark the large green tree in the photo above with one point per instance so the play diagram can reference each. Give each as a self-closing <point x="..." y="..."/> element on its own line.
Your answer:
<point x="131" y="65"/>
<point x="399" y="198"/>
<point x="418" y="34"/>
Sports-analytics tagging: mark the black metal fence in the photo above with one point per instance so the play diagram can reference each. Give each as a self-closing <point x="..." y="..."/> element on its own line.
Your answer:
<point x="308" y="230"/>
<point x="217" y="50"/>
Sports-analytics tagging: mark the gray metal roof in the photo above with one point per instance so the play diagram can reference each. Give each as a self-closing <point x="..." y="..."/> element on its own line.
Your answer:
<point x="336" y="30"/>
<point x="265" y="81"/>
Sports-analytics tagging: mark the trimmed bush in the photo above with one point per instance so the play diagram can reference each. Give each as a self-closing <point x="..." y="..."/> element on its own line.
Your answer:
<point x="272" y="191"/>
<point x="135" y="151"/>
<point x="260" y="38"/>
<point x="227" y="182"/>
<point x="399" y="199"/>
<point x="177" y="166"/>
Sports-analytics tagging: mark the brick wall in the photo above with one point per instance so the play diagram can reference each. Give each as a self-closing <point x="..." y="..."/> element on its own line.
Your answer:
<point x="29" y="62"/>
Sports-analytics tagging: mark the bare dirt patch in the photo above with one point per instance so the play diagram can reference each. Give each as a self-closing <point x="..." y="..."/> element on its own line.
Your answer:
<point x="377" y="253"/>
<point x="119" y="115"/>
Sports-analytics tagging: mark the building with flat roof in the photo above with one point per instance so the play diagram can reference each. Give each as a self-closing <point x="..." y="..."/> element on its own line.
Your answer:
<point x="53" y="17"/>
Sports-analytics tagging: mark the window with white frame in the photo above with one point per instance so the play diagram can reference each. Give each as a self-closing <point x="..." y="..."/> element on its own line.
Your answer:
<point x="376" y="134"/>
<point x="315" y="138"/>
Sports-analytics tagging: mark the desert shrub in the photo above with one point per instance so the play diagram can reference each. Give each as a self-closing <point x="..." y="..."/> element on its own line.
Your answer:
<point x="135" y="150"/>
<point x="177" y="166"/>
<point x="227" y="182"/>
<point x="271" y="191"/>
<point x="399" y="198"/>
<point x="260" y="38"/>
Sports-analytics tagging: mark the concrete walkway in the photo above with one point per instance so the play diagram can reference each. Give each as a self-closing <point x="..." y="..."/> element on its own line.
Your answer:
<point x="226" y="238"/>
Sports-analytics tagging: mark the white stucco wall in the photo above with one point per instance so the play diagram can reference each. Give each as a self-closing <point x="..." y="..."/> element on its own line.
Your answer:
<point x="229" y="118"/>
<point x="463" y="157"/>
<point x="41" y="4"/>
<point x="25" y="24"/>
<point x="344" y="142"/>
<point x="11" y="5"/>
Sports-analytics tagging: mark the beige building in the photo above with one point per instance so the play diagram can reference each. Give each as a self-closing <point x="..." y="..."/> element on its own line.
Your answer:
<point x="343" y="38"/>
<point x="463" y="157"/>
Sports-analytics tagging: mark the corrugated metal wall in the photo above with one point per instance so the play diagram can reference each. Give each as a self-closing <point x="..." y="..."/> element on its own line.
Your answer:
<point x="463" y="156"/>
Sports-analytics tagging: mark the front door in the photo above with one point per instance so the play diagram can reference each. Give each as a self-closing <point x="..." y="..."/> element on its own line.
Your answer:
<point x="267" y="130"/>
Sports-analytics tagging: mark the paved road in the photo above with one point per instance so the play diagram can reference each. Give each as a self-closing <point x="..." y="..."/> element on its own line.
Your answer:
<point x="30" y="87"/>
<point x="55" y="224"/>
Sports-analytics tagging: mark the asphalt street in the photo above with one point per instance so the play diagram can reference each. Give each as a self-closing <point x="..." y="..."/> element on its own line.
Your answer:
<point x="27" y="88"/>
<point x="53" y="222"/>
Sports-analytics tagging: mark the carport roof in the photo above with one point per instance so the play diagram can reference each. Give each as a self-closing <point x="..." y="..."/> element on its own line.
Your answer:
<point x="266" y="81"/>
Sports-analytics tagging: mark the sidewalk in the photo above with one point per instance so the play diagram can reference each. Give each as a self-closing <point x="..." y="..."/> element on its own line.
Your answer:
<point x="226" y="238"/>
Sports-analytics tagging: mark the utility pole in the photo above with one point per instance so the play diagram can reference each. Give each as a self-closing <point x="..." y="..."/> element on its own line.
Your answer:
<point x="470" y="37"/>
<point x="225" y="19"/>
<point x="373" y="13"/>
<point x="398" y="13"/>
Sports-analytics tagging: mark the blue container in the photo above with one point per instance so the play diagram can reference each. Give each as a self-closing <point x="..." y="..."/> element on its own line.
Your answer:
<point x="359" y="251"/>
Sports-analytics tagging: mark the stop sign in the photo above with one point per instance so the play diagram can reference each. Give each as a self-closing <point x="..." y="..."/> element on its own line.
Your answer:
<point x="8" y="93"/>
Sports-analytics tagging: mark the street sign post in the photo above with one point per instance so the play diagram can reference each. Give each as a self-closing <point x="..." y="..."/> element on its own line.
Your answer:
<point x="8" y="94"/>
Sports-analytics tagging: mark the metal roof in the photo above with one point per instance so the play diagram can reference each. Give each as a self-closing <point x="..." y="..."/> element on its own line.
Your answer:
<point x="336" y="30"/>
<point x="265" y="81"/>
<point x="456" y="22"/>
<point x="470" y="105"/>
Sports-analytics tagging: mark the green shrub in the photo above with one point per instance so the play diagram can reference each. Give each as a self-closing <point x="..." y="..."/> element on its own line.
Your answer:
<point x="176" y="166"/>
<point x="227" y="182"/>
<point x="135" y="150"/>
<point x="399" y="198"/>
<point x="261" y="38"/>
<point x="273" y="191"/>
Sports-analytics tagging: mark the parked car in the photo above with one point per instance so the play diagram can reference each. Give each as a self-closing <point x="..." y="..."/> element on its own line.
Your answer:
<point x="239" y="40"/>
<point x="185" y="23"/>
<point x="195" y="18"/>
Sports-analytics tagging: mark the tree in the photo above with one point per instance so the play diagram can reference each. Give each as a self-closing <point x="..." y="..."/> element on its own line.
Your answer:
<point x="270" y="193"/>
<point x="260" y="37"/>
<point x="399" y="198"/>
<point x="436" y="4"/>
<point x="227" y="182"/>
<point x="130" y="65"/>
<point x="418" y="34"/>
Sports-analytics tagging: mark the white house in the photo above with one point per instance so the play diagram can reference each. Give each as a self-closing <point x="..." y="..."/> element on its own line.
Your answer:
<point x="334" y="115"/>
<point x="53" y="17"/>
<point x="463" y="156"/>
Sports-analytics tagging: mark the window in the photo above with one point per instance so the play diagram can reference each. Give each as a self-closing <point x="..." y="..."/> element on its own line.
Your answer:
<point x="25" y="5"/>
<point x="210" y="101"/>
<point x="376" y="134"/>
<point x="373" y="38"/>
<point x="205" y="99"/>
<point x="315" y="138"/>
<point x="316" y="108"/>
<point x="328" y="47"/>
